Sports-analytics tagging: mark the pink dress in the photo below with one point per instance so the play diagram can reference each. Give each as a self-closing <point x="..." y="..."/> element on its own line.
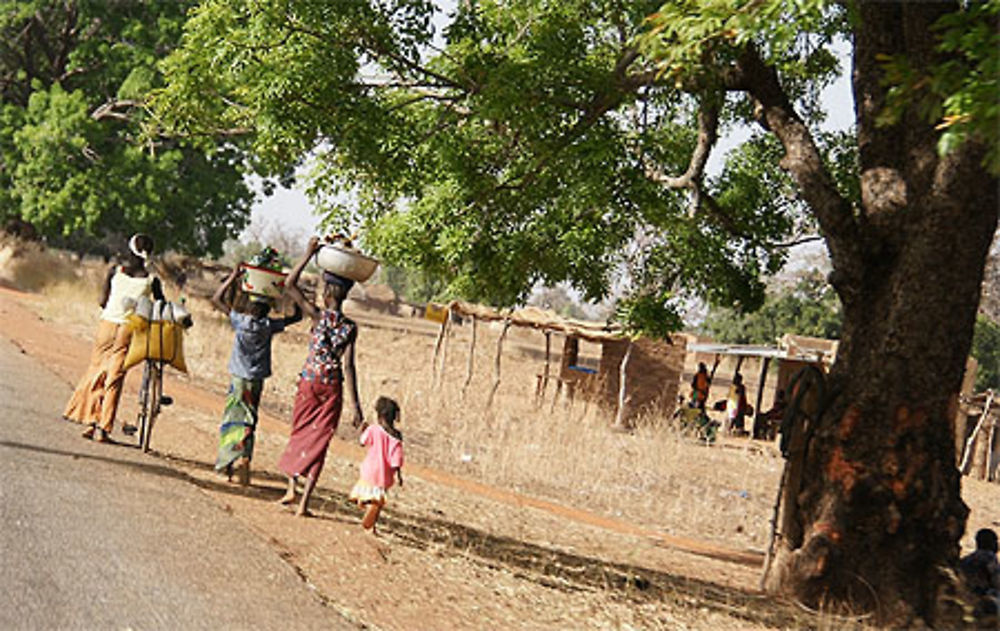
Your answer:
<point x="385" y="454"/>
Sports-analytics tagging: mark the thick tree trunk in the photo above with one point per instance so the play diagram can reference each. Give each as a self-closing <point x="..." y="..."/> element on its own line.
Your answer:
<point x="875" y="516"/>
<point x="878" y="513"/>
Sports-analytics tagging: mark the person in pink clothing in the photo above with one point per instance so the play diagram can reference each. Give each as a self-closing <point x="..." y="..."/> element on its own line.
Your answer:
<point x="382" y="464"/>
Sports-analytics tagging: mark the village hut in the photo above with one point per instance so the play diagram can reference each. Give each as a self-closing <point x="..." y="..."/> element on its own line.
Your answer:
<point x="599" y="362"/>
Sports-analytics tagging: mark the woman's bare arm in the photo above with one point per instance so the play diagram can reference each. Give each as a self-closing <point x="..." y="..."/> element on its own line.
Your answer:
<point x="292" y="282"/>
<point x="352" y="382"/>
<point x="218" y="300"/>
<point x="295" y="317"/>
<point x="106" y="286"/>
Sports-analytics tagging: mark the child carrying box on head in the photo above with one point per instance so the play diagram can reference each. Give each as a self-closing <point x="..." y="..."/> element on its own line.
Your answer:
<point x="383" y="461"/>
<point x="249" y="366"/>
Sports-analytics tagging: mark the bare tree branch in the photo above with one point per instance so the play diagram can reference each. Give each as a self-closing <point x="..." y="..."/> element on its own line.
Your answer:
<point x="798" y="241"/>
<point x="803" y="162"/>
<point x="111" y="109"/>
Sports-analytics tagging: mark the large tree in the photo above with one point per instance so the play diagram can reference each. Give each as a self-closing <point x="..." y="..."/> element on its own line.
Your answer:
<point x="568" y="141"/>
<point x="73" y="79"/>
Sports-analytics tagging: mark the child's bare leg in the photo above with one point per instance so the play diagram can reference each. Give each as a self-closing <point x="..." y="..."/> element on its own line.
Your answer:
<point x="243" y="471"/>
<point x="307" y="491"/>
<point x="289" y="496"/>
<point x="371" y="516"/>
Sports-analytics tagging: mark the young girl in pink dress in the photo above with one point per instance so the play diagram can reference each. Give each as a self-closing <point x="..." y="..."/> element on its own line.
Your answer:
<point x="383" y="461"/>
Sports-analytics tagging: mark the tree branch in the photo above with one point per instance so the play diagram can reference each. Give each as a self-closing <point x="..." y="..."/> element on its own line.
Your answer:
<point x="599" y="105"/>
<point x="708" y="128"/>
<point x="110" y="109"/>
<point x="798" y="241"/>
<point x="803" y="162"/>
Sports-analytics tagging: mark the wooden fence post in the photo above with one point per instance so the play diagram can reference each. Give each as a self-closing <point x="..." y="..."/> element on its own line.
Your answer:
<point x="437" y="350"/>
<point x="543" y="382"/>
<point x="496" y="364"/>
<point x="623" y="386"/>
<point x="472" y="353"/>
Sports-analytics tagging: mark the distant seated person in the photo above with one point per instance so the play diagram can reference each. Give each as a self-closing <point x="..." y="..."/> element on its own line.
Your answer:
<point x="768" y="423"/>
<point x="981" y="573"/>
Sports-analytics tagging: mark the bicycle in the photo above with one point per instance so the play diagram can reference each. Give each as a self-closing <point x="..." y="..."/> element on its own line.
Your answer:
<point x="151" y="399"/>
<point x="156" y="342"/>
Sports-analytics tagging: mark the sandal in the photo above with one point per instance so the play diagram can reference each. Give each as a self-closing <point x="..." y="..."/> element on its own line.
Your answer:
<point x="89" y="432"/>
<point x="129" y="430"/>
<point x="101" y="436"/>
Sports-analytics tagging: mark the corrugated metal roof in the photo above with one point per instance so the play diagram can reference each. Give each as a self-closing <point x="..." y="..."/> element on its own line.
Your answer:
<point x="751" y="350"/>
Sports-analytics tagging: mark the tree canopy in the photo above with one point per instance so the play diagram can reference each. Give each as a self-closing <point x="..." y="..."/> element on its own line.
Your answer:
<point x="73" y="79"/>
<point x="528" y="142"/>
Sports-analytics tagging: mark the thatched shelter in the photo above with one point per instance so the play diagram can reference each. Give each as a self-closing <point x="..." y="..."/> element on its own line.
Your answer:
<point x="630" y="376"/>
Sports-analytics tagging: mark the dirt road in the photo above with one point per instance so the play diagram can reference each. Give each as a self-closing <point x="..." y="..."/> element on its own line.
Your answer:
<point x="99" y="538"/>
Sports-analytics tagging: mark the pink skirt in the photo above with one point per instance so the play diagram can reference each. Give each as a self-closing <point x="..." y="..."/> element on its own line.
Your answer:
<point x="314" y="420"/>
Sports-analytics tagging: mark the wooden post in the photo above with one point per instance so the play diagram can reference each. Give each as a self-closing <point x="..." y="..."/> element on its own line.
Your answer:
<point x="760" y="394"/>
<point x="443" y="366"/>
<point x="496" y="364"/>
<point x="437" y="350"/>
<point x="739" y="363"/>
<point x="981" y="455"/>
<point x="711" y="378"/>
<point x="543" y="386"/>
<point x="989" y="452"/>
<point x="623" y="386"/>
<point x="472" y="353"/>
<point x="967" y="452"/>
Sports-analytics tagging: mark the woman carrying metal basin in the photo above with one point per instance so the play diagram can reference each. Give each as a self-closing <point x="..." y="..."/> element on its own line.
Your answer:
<point x="319" y="398"/>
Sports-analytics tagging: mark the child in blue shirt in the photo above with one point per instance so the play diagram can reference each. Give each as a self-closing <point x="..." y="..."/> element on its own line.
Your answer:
<point x="249" y="366"/>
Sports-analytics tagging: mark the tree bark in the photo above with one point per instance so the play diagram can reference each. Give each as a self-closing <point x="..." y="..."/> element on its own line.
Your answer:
<point x="879" y="508"/>
<point x="877" y="514"/>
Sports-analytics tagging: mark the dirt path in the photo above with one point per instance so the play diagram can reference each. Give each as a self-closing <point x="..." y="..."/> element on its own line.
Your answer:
<point x="452" y="546"/>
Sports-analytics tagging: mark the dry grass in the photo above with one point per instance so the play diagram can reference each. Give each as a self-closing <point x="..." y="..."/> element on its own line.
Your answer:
<point x="30" y="267"/>
<point x="563" y="451"/>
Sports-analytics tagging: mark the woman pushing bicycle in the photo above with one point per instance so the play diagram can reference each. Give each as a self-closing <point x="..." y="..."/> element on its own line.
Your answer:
<point x="95" y="400"/>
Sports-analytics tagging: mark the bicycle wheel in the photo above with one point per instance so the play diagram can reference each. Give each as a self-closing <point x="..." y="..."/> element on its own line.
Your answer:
<point x="154" y="392"/>
<point x="145" y="401"/>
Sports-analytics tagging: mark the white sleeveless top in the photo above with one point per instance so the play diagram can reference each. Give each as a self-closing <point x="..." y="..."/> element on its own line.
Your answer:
<point x="123" y="287"/>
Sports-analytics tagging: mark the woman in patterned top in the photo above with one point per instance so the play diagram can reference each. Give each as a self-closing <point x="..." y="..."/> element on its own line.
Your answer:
<point x="319" y="398"/>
